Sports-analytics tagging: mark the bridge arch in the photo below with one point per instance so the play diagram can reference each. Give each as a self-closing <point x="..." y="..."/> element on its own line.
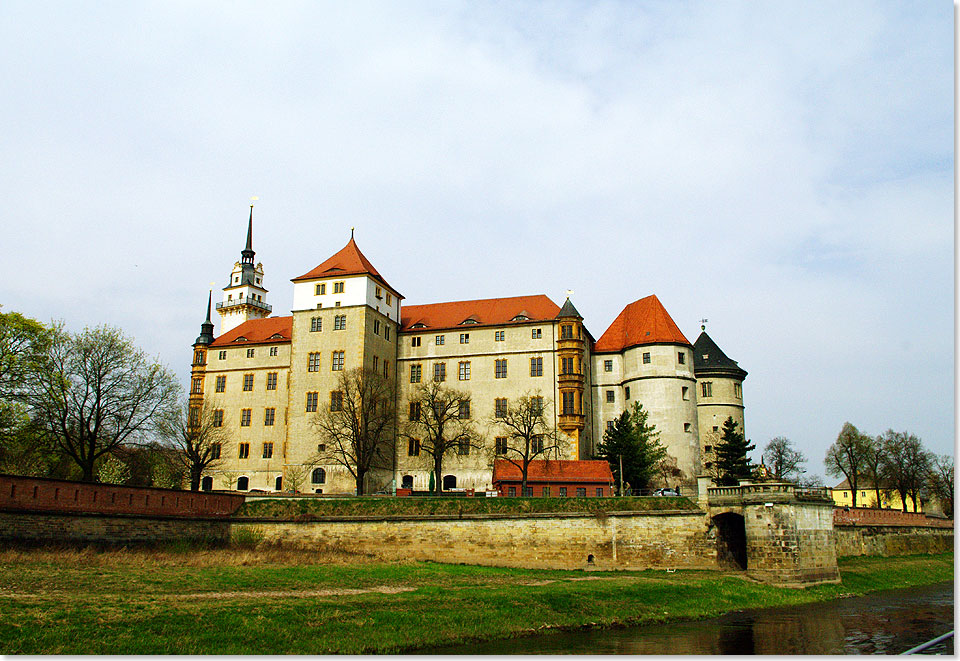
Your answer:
<point x="731" y="540"/>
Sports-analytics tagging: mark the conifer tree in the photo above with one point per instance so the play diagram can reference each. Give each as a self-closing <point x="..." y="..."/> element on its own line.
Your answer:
<point x="636" y="444"/>
<point x="732" y="461"/>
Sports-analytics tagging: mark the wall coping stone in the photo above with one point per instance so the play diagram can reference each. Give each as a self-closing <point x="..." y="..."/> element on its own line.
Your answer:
<point x="313" y="518"/>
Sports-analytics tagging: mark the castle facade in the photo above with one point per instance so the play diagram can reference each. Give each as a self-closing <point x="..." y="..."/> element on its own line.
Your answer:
<point x="264" y="379"/>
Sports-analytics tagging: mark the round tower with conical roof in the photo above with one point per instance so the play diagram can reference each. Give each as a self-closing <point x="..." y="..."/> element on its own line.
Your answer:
<point x="719" y="394"/>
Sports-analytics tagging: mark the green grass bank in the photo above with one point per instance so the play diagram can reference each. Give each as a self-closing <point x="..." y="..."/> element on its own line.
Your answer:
<point x="272" y="601"/>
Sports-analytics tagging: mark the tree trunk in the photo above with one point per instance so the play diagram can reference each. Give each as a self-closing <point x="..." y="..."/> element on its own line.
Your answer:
<point x="195" y="478"/>
<point x="360" y="475"/>
<point x="87" y="468"/>
<point x="437" y="470"/>
<point x="879" y="501"/>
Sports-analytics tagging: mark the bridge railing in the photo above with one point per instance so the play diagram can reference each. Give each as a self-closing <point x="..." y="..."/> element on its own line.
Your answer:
<point x="781" y="489"/>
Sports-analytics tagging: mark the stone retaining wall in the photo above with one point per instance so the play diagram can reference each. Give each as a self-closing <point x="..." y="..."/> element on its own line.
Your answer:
<point x="74" y="528"/>
<point x="855" y="540"/>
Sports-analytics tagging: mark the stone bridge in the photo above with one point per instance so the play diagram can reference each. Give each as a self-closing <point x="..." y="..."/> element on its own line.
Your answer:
<point x="779" y="533"/>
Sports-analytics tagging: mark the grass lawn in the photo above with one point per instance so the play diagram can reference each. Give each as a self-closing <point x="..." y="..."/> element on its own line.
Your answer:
<point x="235" y="601"/>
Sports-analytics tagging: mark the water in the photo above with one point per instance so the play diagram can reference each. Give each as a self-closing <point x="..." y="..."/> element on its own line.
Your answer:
<point x="881" y="623"/>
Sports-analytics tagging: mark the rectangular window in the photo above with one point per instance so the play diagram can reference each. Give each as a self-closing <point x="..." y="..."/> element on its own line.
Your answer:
<point x="340" y="322"/>
<point x="414" y="341"/>
<point x="599" y="492"/>
<point x="687" y="427"/>
<point x="313" y="362"/>
<point x="464" y="412"/>
<point x="336" y="364"/>
<point x="500" y="407"/>
<point x="378" y="293"/>
<point x="536" y="333"/>
<point x="195" y="387"/>
<point x="414" y="411"/>
<point x="389" y="299"/>
<point x="464" y="338"/>
<point x="386" y="369"/>
<point x="312" y="399"/>
<point x="567" y="366"/>
<point x="268" y="417"/>
<point x="708" y="448"/>
<point x="336" y="400"/>
<point x="566" y="332"/>
<point x="386" y="332"/>
<point x="215" y="450"/>
<point x="536" y="444"/>
<point x="222" y="355"/>
<point x="268" y="450"/>
<point x="610" y="425"/>
<point x="218" y="418"/>
<point x="274" y="351"/>
<point x="581" y="492"/>
<point x="244" y="450"/>
<point x="568" y="403"/>
<point x="611" y="397"/>
<point x="464" y="371"/>
<point x="536" y="366"/>
<point x="738" y="391"/>
<point x="338" y="288"/>
<point x="511" y="491"/>
<point x="376" y="326"/>
<point x="247" y="382"/>
<point x="439" y="339"/>
<point x="500" y="444"/>
<point x="626" y="392"/>
<point x="245" y="417"/>
<point x="415" y="372"/>
<point x="536" y="405"/>
<point x="706" y="389"/>
<point x="250" y="353"/>
<point x="271" y="380"/>
<point x="528" y="492"/>
<point x="563" y="492"/>
<point x="498" y="336"/>
<point x="681" y="358"/>
<point x="463" y="448"/>
<point x="320" y="290"/>
<point x="646" y="358"/>
<point x="194" y="416"/>
<point x="413" y="447"/>
<point x="500" y="368"/>
<point x="545" y="492"/>
<point x="608" y="366"/>
<point x="684" y="392"/>
<point x="316" y="324"/>
<point x="440" y="372"/>
<point x="376" y="363"/>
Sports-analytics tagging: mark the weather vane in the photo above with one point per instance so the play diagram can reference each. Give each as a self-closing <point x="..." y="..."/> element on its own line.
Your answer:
<point x="253" y="199"/>
<point x="569" y="293"/>
<point x="703" y="323"/>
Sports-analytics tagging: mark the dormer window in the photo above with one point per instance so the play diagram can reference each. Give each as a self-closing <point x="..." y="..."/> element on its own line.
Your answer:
<point x="276" y="336"/>
<point x="419" y="325"/>
<point x="241" y="339"/>
<point x="469" y="320"/>
<point x="521" y="317"/>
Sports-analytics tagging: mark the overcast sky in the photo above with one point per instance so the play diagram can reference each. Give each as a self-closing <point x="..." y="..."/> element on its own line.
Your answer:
<point x="783" y="169"/>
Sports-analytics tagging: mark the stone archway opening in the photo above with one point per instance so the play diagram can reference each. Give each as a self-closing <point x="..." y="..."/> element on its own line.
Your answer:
<point x="731" y="541"/>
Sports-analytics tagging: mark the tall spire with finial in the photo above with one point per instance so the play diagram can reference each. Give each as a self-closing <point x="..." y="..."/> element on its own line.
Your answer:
<point x="206" y="328"/>
<point x="248" y="253"/>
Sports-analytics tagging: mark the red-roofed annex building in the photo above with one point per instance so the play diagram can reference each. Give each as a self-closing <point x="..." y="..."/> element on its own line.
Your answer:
<point x="264" y="379"/>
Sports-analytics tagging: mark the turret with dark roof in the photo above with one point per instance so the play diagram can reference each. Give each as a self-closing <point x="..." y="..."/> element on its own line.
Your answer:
<point x="709" y="360"/>
<point x="248" y="277"/>
<point x="206" y="328"/>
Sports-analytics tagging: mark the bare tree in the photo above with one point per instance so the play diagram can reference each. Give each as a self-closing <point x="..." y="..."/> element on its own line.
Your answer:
<point x="847" y="457"/>
<point x="873" y="458"/>
<point x="441" y="424"/>
<point x="527" y="435"/>
<point x="906" y="465"/>
<point x="358" y="425"/>
<point x="198" y="435"/>
<point x="784" y="461"/>
<point x="941" y="482"/>
<point x="96" y="391"/>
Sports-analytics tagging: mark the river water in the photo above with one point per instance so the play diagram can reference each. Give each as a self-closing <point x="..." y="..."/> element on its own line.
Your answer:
<point x="881" y="623"/>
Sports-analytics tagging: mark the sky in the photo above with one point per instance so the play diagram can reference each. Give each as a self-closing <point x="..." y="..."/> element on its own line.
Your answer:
<point x="784" y="170"/>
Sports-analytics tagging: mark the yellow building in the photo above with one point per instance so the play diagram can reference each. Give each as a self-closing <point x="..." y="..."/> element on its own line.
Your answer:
<point x="867" y="497"/>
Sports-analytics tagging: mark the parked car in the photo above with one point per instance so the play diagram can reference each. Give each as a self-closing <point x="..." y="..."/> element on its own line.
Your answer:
<point x="666" y="492"/>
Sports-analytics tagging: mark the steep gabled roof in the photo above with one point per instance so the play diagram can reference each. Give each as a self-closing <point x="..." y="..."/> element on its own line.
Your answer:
<point x="348" y="261"/>
<point x="708" y="359"/>
<point x="486" y="312"/>
<point x="642" y="322"/>
<point x="555" y="471"/>
<point x="272" y="330"/>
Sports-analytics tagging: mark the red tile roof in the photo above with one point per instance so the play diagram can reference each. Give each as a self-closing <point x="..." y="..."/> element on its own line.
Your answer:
<point x="486" y="312"/>
<point x="257" y="331"/>
<point x="349" y="261"/>
<point x="642" y="322"/>
<point x="554" y="471"/>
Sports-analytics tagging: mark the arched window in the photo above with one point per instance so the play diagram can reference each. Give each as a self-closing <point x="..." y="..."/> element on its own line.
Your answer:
<point x="406" y="482"/>
<point x="319" y="476"/>
<point x="449" y="482"/>
<point x="243" y="483"/>
<point x="206" y="483"/>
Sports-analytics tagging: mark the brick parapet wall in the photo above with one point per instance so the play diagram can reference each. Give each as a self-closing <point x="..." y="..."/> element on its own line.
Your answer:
<point x="864" y="516"/>
<point x="34" y="494"/>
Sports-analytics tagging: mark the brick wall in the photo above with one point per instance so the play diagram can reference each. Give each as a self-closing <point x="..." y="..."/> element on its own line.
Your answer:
<point x="863" y="516"/>
<point x="40" y="494"/>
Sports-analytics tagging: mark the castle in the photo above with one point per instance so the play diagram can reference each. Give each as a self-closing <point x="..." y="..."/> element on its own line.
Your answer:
<point x="265" y="378"/>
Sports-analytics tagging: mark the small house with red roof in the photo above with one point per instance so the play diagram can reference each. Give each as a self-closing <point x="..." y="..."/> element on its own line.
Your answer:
<point x="554" y="479"/>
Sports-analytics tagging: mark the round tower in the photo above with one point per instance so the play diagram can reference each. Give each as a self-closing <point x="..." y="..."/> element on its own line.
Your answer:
<point x="719" y="395"/>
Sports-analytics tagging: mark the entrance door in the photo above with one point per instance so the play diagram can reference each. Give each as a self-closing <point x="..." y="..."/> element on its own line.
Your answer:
<point x="731" y="541"/>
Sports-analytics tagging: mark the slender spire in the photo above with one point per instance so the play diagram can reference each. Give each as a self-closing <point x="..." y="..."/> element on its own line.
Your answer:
<point x="206" y="328"/>
<point x="248" y="253"/>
